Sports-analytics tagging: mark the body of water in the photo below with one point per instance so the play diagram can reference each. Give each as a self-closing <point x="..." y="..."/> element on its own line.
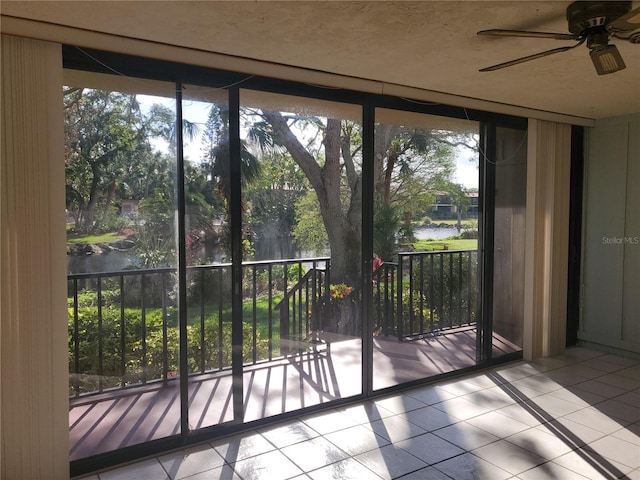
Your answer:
<point x="114" y="261"/>
<point x="436" y="233"/>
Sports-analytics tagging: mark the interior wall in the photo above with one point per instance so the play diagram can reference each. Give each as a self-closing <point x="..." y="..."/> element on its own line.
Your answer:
<point x="610" y="299"/>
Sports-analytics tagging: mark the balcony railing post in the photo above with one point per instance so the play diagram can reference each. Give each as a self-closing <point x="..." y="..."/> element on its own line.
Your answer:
<point x="144" y="330"/>
<point x="431" y="287"/>
<point x="76" y="339"/>
<point x="123" y="335"/>
<point x="165" y="343"/>
<point x="399" y="295"/>
<point x="270" y="312"/>
<point x="203" y="345"/>
<point x="100" y="339"/>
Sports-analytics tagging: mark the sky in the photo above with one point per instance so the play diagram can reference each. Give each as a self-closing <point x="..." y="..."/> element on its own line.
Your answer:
<point x="197" y="112"/>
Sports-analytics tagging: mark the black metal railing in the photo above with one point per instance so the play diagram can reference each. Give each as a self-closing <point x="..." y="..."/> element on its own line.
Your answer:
<point x="435" y="291"/>
<point x="123" y="326"/>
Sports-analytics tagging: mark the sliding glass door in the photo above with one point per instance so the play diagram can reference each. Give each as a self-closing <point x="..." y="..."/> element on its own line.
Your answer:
<point x="245" y="252"/>
<point x="207" y="255"/>
<point x="120" y="163"/>
<point x="301" y="164"/>
<point x="425" y="266"/>
<point x="510" y="167"/>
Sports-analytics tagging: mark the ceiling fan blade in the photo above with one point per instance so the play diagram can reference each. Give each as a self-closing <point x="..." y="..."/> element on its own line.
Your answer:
<point x="624" y="26"/>
<point x="626" y="23"/>
<point x="528" y="58"/>
<point x="525" y="33"/>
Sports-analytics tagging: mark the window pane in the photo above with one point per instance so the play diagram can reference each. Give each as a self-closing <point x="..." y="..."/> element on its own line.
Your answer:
<point x="425" y="246"/>
<point x="206" y="168"/>
<point x="302" y="204"/>
<point x="123" y="325"/>
<point x="509" y="240"/>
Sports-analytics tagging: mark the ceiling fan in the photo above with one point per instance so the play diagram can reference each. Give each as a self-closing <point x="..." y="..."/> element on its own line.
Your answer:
<point x="594" y="22"/>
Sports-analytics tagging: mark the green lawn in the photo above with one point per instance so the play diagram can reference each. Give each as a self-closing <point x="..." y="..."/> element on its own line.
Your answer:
<point x="111" y="237"/>
<point x="446" y="244"/>
<point x="262" y="313"/>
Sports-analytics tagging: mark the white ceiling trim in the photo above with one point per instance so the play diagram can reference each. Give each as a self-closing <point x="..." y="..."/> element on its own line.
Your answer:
<point x="161" y="51"/>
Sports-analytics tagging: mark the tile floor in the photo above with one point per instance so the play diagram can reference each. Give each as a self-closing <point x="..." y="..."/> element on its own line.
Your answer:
<point x="573" y="416"/>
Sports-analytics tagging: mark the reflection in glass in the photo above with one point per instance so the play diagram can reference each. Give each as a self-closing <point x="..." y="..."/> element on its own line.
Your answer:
<point x="205" y="127"/>
<point x="425" y="240"/>
<point x="302" y="207"/>
<point x="509" y="240"/>
<point x="120" y="167"/>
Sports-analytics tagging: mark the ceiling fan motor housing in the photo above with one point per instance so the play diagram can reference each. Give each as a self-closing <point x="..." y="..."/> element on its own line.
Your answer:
<point x="592" y="15"/>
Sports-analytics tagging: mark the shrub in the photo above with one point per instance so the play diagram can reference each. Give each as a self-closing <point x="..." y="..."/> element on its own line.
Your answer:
<point x="106" y="335"/>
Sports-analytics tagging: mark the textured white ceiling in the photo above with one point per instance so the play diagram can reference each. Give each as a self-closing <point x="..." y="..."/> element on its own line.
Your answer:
<point x="428" y="44"/>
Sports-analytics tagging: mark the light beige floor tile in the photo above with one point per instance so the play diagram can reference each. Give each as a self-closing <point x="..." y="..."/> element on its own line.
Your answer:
<point x="594" y="418"/>
<point x="540" y="442"/>
<point x="430" y="418"/>
<point x="498" y="424"/>
<point x="618" y="450"/>
<point x="348" y="469"/>
<point x="191" y="461"/>
<point x="146" y="469"/>
<point x="579" y="397"/>
<point x="629" y="434"/>
<point x="599" y="388"/>
<point x="390" y="461"/>
<point x="356" y="440"/>
<point x="365" y="412"/>
<point x="550" y="470"/>
<point x="540" y="383"/>
<point x="461" y="408"/>
<point x="517" y="371"/>
<point x="572" y="432"/>
<point x="471" y="467"/>
<point x="627" y="362"/>
<point x="603" y="363"/>
<point x="399" y="403"/>
<point x="524" y="413"/>
<point x="617" y="409"/>
<point x="630" y="398"/>
<point x="430" y="448"/>
<point x="466" y="435"/>
<point x="430" y="473"/>
<point x="592" y="465"/>
<point x="430" y="394"/>
<point x="492" y="398"/>
<point x="272" y="466"/>
<point x="634" y="475"/>
<point x="288" y="433"/>
<point x="220" y="473"/>
<point x="625" y="383"/>
<point x="579" y="354"/>
<point x="509" y="457"/>
<point x="579" y="370"/>
<point x="465" y="386"/>
<point x="551" y="363"/>
<point x="549" y="405"/>
<point x="396" y="428"/>
<point x="239" y="447"/>
<point x="313" y="454"/>
<point x="330" y="421"/>
<point x="630" y="372"/>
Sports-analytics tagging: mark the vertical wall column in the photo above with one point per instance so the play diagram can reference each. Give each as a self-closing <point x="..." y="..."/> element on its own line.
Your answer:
<point x="33" y="322"/>
<point x="547" y="242"/>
